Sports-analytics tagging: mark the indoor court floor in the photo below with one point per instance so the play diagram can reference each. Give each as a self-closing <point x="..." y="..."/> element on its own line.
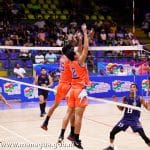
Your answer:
<point x="20" y="128"/>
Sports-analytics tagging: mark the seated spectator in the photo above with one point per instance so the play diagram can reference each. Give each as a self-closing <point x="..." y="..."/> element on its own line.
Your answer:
<point x="39" y="58"/>
<point x="24" y="53"/>
<point x="19" y="72"/>
<point x="50" y="57"/>
<point x="41" y="35"/>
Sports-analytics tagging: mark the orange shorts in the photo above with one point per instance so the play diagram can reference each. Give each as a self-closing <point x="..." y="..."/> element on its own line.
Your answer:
<point x="73" y="100"/>
<point x="62" y="90"/>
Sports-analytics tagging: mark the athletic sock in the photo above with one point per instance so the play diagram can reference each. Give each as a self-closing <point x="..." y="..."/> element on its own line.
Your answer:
<point x="44" y="106"/>
<point x="72" y="130"/>
<point x="62" y="132"/>
<point x="46" y="120"/>
<point x="41" y="108"/>
<point x="76" y="137"/>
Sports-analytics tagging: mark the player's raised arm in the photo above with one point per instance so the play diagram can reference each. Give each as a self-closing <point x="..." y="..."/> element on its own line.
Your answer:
<point x="84" y="53"/>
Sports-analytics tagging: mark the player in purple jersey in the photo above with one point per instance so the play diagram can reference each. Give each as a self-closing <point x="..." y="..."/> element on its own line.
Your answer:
<point x="130" y="117"/>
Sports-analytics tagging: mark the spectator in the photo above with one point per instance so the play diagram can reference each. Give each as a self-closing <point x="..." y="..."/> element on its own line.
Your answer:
<point x="143" y="68"/>
<point x="50" y="57"/>
<point x="19" y="72"/>
<point x="24" y="53"/>
<point x="39" y="58"/>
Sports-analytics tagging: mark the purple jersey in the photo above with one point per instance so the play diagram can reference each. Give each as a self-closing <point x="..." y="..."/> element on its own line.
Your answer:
<point x="131" y="114"/>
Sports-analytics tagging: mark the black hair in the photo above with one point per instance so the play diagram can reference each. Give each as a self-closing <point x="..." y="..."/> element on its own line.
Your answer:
<point x="134" y="85"/>
<point x="43" y="68"/>
<point x="66" y="48"/>
<point x="68" y="51"/>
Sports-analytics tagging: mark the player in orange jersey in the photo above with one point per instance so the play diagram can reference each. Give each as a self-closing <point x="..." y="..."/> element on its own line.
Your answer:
<point x="63" y="86"/>
<point x="76" y="98"/>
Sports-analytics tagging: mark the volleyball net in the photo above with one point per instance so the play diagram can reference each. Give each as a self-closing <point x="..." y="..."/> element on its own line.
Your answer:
<point x="10" y="55"/>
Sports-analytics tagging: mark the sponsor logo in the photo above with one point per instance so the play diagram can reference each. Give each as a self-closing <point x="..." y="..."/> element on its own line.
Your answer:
<point x="12" y="88"/>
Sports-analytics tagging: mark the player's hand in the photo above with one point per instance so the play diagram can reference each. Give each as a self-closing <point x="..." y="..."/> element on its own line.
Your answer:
<point x="115" y="99"/>
<point x="91" y="34"/>
<point x="84" y="28"/>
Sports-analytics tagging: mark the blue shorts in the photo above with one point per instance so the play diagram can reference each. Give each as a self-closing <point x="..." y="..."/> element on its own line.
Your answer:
<point x="124" y="124"/>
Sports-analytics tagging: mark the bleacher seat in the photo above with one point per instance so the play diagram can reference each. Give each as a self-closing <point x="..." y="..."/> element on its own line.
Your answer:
<point x="6" y="64"/>
<point x="46" y="16"/>
<point x="65" y="12"/>
<point x="13" y="55"/>
<point x="53" y="7"/>
<point x="46" y="6"/>
<point x="58" y="12"/>
<point x="3" y="56"/>
<point x="93" y="17"/>
<point x="63" y="17"/>
<point x="29" y="64"/>
<point x="29" y="6"/>
<point x="30" y="16"/>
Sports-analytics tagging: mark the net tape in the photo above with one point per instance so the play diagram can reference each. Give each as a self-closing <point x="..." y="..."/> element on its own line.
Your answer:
<point x="92" y="48"/>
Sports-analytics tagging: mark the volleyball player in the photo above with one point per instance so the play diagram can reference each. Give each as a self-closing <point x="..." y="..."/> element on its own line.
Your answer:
<point x="4" y="100"/>
<point x="63" y="86"/>
<point x="131" y="117"/>
<point x="76" y="98"/>
<point x="43" y="80"/>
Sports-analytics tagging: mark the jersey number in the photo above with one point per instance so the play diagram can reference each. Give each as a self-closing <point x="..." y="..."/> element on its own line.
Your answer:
<point x="74" y="74"/>
<point x="120" y="124"/>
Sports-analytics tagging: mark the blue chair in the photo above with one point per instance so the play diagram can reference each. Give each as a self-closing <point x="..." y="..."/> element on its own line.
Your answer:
<point x="29" y="64"/>
<point x="20" y="62"/>
<point x="6" y="64"/>
<point x="13" y="55"/>
<point x="3" y="56"/>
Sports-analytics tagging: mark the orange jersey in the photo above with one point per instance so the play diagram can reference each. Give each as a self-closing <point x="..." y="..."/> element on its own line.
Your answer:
<point x="79" y="75"/>
<point x="65" y="72"/>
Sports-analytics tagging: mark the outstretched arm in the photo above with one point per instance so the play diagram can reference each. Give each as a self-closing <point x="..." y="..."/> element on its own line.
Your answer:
<point x="84" y="53"/>
<point x="4" y="100"/>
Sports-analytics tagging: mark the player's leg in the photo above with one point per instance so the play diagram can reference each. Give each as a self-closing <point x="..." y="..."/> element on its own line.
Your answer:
<point x="49" y="114"/>
<point x="70" y="111"/>
<point x="61" y="93"/>
<point x="45" y="94"/>
<point x="119" y="127"/>
<point x="71" y="135"/>
<point x="65" y="122"/>
<point x="79" y="111"/>
<point x="143" y="135"/>
<point x="42" y="105"/>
